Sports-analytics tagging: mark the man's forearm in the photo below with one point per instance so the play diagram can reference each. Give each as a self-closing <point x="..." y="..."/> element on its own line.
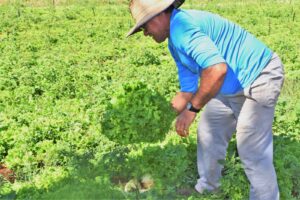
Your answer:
<point x="211" y="82"/>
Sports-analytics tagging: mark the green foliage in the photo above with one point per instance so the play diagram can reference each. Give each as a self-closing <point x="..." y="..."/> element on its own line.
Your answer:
<point x="286" y="153"/>
<point x="136" y="113"/>
<point x="143" y="159"/>
<point x="6" y="190"/>
<point x="234" y="175"/>
<point x="147" y="58"/>
<point x="288" y="125"/>
<point x="84" y="110"/>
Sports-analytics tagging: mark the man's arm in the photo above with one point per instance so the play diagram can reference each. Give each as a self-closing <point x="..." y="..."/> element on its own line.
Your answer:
<point x="211" y="81"/>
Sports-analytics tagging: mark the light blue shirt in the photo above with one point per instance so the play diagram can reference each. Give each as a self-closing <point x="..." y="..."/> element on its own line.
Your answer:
<point x="199" y="39"/>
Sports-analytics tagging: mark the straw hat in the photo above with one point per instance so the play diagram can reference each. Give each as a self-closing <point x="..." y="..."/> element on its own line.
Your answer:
<point x="144" y="10"/>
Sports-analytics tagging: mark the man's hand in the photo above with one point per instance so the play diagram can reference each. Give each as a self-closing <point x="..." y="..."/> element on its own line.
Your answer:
<point x="183" y="122"/>
<point x="180" y="100"/>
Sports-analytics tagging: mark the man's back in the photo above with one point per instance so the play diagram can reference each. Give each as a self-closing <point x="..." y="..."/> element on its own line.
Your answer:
<point x="209" y="39"/>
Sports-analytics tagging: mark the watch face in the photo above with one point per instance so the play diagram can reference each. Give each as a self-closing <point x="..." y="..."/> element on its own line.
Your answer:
<point x="189" y="105"/>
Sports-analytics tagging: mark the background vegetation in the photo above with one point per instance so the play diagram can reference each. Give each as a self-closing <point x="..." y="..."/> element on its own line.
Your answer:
<point x="83" y="110"/>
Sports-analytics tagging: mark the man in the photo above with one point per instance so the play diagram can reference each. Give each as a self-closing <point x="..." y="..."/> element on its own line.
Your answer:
<point x="240" y="80"/>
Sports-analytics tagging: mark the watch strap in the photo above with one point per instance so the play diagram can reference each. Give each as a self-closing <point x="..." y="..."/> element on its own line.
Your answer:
<point x="191" y="108"/>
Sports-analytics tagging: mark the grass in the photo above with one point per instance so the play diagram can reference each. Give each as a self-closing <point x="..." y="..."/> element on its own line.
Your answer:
<point x="61" y="64"/>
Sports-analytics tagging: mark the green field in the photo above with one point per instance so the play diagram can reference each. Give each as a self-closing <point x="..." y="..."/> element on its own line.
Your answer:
<point x="83" y="110"/>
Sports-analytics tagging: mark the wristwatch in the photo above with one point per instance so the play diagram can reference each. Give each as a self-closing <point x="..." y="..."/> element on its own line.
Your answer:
<point x="191" y="108"/>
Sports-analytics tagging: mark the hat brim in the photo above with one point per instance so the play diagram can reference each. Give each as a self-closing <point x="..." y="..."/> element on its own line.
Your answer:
<point x="156" y="11"/>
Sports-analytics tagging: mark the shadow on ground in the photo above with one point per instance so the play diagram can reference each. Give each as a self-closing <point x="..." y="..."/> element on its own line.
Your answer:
<point x="171" y="164"/>
<point x="168" y="165"/>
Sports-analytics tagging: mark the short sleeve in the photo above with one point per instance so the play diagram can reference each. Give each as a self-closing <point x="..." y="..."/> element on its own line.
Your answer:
<point x="189" y="38"/>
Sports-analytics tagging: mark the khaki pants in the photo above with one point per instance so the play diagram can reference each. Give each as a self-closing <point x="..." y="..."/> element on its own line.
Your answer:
<point x="250" y="113"/>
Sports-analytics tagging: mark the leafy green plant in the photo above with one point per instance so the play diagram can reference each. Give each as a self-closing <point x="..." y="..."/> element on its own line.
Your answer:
<point x="136" y="113"/>
<point x="234" y="183"/>
<point x="70" y="96"/>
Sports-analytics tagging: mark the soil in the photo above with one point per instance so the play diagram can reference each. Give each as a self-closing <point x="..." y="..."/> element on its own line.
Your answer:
<point x="185" y="191"/>
<point x="119" y="180"/>
<point x="7" y="173"/>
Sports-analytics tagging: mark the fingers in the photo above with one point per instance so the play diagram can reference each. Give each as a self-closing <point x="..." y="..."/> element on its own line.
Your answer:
<point x="186" y="132"/>
<point x="181" y="128"/>
<point x="183" y="133"/>
<point x="179" y="102"/>
<point x="175" y="108"/>
<point x="178" y="105"/>
<point x="183" y="122"/>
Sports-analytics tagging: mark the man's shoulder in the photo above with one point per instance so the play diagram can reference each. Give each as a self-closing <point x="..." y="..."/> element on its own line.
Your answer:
<point x="187" y="14"/>
<point x="180" y="21"/>
<point x="183" y="22"/>
<point x="182" y="15"/>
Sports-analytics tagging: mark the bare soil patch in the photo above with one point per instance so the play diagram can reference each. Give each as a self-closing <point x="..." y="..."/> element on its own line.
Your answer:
<point x="7" y="173"/>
